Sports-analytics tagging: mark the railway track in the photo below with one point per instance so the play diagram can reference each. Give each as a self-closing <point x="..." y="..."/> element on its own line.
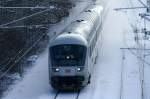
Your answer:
<point x="59" y="92"/>
<point x="56" y="95"/>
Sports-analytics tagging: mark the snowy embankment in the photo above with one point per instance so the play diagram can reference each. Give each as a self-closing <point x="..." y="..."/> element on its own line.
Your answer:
<point x="138" y="75"/>
<point x="112" y="78"/>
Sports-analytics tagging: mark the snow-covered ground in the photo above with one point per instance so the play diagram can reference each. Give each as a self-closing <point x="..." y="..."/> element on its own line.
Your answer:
<point x="116" y="74"/>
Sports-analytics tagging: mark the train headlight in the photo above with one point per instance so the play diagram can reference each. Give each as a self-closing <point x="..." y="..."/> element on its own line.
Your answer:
<point x="56" y="69"/>
<point x="79" y="69"/>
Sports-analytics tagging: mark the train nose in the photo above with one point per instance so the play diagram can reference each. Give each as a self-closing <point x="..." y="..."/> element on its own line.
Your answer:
<point x="67" y="71"/>
<point x="69" y="82"/>
<point x="62" y="70"/>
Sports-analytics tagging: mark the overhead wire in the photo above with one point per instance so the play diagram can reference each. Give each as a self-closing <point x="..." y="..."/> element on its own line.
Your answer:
<point x="143" y="3"/>
<point x="30" y="48"/>
<point x="26" y="52"/>
<point x="11" y="59"/>
<point x="5" y="24"/>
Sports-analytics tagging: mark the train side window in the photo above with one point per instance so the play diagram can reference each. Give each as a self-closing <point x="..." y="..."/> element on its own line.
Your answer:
<point x="93" y="42"/>
<point x="90" y="50"/>
<point x="96" y="36"/>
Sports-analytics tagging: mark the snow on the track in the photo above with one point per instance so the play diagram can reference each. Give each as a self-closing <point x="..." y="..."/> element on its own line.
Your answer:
<point x="65" y="95"/>
<point x="106" y="79"/>
<point x="35" y="82"/>
<point x="131" y="86"/>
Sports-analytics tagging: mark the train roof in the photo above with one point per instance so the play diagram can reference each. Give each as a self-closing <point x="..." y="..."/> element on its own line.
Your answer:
<point x="94" y="8"/>
<point x="84" y="24"/>
<point x="79" y="31"/>
<point x="69" y="39"/>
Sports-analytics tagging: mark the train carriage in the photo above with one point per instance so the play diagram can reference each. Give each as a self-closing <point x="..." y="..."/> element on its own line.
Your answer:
<point x="72" y="54"/>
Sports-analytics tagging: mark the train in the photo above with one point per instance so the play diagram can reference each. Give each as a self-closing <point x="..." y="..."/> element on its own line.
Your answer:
<point x="72" y="53"/>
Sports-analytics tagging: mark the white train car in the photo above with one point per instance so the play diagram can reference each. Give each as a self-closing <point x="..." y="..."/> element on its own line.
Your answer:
<point x="72" y="54"/>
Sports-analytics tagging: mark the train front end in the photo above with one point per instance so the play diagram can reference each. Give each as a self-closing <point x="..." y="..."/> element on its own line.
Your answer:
<point x="67" y="62"/>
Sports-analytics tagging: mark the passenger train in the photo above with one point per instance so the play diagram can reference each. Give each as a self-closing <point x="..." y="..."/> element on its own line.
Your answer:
<point x="73" y="52"/>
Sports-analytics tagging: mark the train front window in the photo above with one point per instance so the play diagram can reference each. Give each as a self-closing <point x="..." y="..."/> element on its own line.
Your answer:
<point x="68" y="55"/>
